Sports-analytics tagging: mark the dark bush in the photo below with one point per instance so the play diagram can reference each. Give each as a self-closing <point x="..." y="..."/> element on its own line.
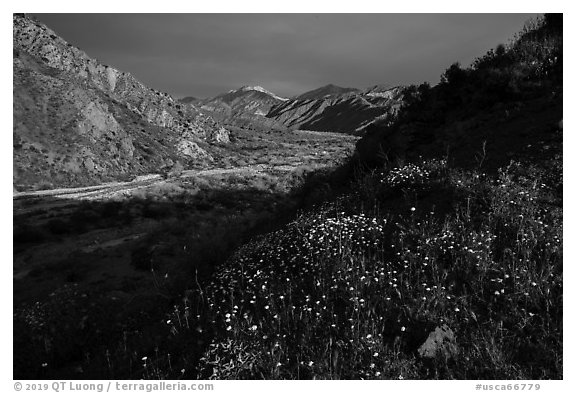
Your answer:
<point x="28" y="234"/>
<point x="58" y="227"/>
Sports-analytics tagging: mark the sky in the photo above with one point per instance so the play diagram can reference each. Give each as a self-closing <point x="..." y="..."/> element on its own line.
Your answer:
<point x="203" y="55"/>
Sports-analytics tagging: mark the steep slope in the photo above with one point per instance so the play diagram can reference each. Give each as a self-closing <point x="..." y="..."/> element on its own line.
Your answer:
<point x="507" y="105"/>
<point x="336" y="109"/>
<point x="244" y="107"/>
<point x="79" y="122"/>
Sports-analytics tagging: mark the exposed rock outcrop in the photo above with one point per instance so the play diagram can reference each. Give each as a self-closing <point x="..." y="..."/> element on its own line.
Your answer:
<point x="441" y="343"/>
<point x="79" y="122"/>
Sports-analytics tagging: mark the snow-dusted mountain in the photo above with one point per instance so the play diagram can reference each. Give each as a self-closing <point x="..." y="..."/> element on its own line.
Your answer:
<point x="329" y="108"/>
<point x="244" y="107"/>
<point x="261" y="90"/>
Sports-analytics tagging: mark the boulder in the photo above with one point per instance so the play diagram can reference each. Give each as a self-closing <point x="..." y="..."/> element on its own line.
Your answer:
<point x="440" y="343"/>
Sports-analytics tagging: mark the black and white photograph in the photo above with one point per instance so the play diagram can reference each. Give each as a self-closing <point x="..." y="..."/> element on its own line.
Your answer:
<point x="287" y="196"/>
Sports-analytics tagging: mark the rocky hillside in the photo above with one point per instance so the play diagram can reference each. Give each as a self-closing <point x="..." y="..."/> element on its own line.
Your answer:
<point x="335" y="109"/>
<point x="245" y="107"/>
<point x="79" y="122"/>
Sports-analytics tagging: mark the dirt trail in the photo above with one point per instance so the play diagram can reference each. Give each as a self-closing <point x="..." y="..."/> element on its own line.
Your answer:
<point x="107" y="190"/>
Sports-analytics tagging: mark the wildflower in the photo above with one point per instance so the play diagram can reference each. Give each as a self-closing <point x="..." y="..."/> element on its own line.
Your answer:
<point x="375" y="354"/>
<point x="413" y="209"/>
<point x="403" y="329"/>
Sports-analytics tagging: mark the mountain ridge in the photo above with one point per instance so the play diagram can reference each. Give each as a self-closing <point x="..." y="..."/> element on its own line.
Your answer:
<point x="328" y="90"/>
<point x="245" y="107"/>
<point x="79" y="122"/>
<point x="349" y="111"/>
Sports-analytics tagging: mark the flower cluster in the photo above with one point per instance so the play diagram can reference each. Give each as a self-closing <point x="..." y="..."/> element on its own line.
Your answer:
<point x="407" y="174"/>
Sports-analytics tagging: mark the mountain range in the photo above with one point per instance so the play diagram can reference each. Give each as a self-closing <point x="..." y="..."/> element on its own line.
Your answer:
<point x="80" y="122"/>
<point x="329" y="108"/>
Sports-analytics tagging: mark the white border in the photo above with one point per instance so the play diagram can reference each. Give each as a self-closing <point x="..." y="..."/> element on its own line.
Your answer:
<point x="297" y="6"/>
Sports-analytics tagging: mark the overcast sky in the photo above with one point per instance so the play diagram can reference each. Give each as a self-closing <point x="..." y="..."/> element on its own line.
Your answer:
<point x="203" y="55"/>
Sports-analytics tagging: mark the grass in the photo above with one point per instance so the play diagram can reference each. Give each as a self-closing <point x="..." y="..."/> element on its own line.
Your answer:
<point x="353" y="286"/>
<point x="110" y="298"/>
<point x="353" y="289"/>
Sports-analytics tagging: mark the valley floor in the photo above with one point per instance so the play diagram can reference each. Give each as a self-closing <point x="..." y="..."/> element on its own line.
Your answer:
<point x="129" y="247"/>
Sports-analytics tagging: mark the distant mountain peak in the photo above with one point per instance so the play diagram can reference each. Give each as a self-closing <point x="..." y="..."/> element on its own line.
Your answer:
<point x="326" y="91"/>
<point x="259" y="89"/>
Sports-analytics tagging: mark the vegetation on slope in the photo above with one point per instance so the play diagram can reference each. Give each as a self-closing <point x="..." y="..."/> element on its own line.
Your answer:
<point x="354" y="289"/>
<point x="509" y="96"/>
<point x="447" y="266"/>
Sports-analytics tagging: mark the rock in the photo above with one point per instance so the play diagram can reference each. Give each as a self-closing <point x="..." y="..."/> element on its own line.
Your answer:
<point x="191" y="150"/>
<point x="440" y="343"/>
<point x="221" y="135"/>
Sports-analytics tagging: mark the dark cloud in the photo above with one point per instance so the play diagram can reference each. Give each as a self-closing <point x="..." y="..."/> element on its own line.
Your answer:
<point x="206" y="54"/>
